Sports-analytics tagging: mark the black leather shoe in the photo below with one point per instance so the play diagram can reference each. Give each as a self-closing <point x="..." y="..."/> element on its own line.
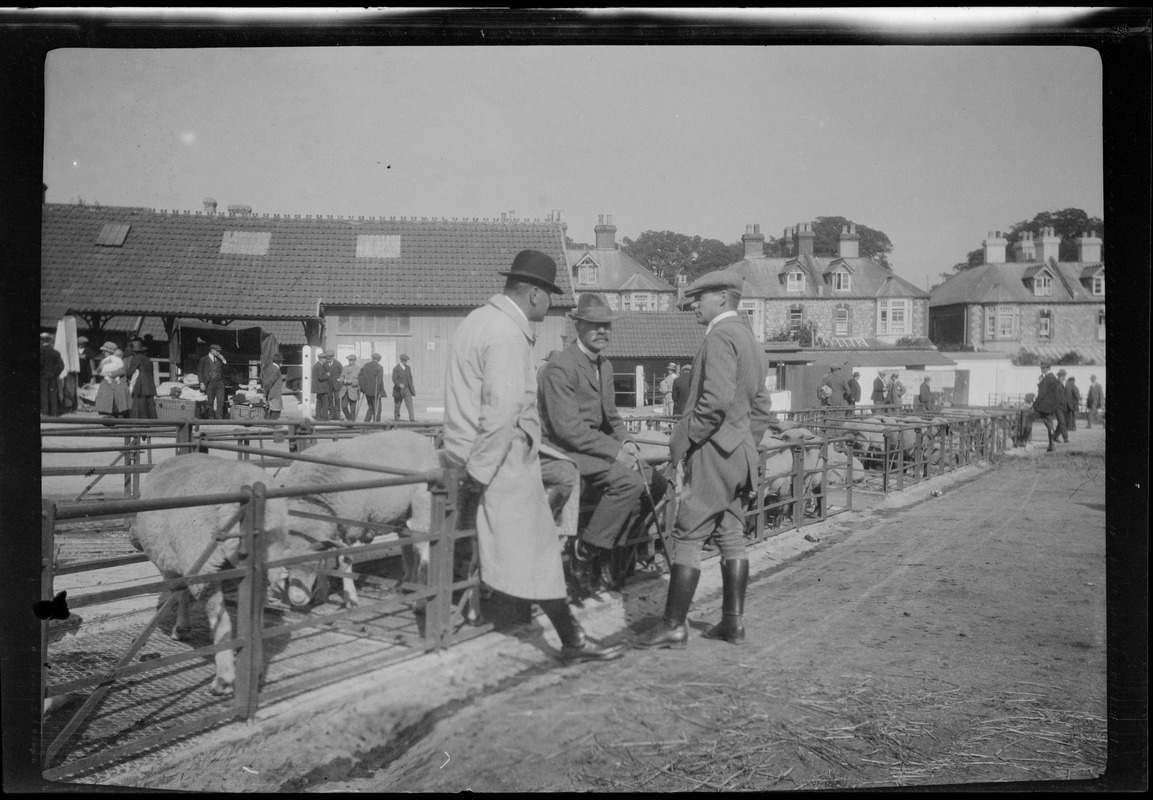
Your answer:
<point x="731" y="629"/>
<point x="672" y="632"/>
<point x="666" y="636"/>
<point x="586" y="650"/>
<point x="735" y="578"/>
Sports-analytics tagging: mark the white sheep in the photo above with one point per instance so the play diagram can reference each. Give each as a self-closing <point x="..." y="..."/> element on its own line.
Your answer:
<point x="408" y="504"/>
<point x="174" y="539"/>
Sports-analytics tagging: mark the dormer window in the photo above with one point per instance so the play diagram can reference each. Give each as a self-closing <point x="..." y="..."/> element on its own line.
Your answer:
<point x="795" y="281"/>
<point x="1099" y="285"/>
<point x="842" y="281"/>
<point x="587" y="274"/>
<point x="1042" y="285"/>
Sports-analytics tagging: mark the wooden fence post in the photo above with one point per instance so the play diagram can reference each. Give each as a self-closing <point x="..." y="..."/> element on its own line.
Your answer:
<point x="798" y="504"/>
<point x="250" y="604"/>
<point x="438" y="611"/>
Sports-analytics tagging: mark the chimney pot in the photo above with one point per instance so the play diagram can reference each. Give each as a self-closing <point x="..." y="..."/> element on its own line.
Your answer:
<point x="756" y="227"/>
<point x="606" y="233"/>
<point x="209" y="205"/>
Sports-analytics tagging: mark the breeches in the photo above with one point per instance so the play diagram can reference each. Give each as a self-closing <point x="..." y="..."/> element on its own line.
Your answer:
<point x="712" y="504"/>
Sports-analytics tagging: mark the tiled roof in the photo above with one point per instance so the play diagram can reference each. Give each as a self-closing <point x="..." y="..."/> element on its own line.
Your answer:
<point x="654" y="334"/>
<point x="616" y="270"/>
<point x="172" y="264"/>
<point x="764" y="279"/>
<point x="1005" y="283"/>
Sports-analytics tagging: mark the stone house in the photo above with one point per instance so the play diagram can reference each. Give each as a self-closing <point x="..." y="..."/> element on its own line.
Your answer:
<point x="625" y="284"/>
<point x="1034" y="304"/>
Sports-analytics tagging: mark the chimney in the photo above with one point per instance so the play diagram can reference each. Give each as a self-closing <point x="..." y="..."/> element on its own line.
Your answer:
<point x="849" y="244"/>
<point x="1088" y="248"/>
<point x="239" y="211"/>
<point x="995" y="248"/>
<point x="606" y="232"/>
<point x="210" y="205"/>
<point x="805" y="237"/>
<point x="1023" y="249"/>
<point x="754" y="241"/>
<point x="1047" y="245"/>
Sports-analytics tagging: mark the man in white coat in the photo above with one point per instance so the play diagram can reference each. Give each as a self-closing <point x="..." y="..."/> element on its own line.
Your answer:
<point x="492" y="430"/>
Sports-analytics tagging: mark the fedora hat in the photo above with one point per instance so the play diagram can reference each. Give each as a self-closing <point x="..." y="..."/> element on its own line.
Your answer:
<point x="593" y="307"/>
<point x="535" y="267"/>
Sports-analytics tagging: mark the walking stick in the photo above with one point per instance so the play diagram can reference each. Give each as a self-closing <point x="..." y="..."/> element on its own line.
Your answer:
<point x="659" y="522"/>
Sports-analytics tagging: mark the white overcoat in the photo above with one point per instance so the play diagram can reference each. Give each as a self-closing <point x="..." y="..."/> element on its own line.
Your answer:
<point x="492" y="429"/>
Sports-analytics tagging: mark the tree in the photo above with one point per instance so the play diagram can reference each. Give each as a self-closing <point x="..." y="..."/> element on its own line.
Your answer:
<point x="569" y="244"/>
<point x="874" y="244"/>
<point x="666" y="253"/>
<point x="1069" y="223"/>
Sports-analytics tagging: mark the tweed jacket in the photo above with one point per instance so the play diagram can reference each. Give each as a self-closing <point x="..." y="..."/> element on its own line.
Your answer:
<point x="1049" y="395"/>
<point x="402" y="379"/>
<point x="727" y="410"/>
<point x="349" y="384"/>
<point x="578" y="410"/>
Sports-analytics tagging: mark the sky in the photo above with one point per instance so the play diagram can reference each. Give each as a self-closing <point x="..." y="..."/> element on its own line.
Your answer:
<point x="934" y="145"/>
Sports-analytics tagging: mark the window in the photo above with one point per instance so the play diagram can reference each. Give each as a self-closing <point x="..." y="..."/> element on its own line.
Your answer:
<point x="1042" y="284"/>
<point x="1101" y="325"/>
<point x="389" y="324"/>
<point x="373" y="245"/>
<point x="112" y="235"/>
<point x="796" y="318"/>
<point x="795" y="281"/>
<point x="893" y="317"/>
<point x="842" y="281"/>
<point x="752" y="309"/>
<point x="841" y="321"/>
<point x="1099" y="285"/>
<point x="587" y="275"/>
<point x="1045" y="325"/>
<point x="990" y="323"/>
<point x="246" y="243"/>
<point x="1006" y="323"/>
<point x="640" y="301"/>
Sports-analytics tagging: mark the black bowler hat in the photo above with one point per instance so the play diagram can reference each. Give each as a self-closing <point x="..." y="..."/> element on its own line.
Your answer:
<point x="535" y="267"/>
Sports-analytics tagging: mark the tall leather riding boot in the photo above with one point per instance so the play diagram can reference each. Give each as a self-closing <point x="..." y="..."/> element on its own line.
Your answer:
<point x="575" y="646"/>
<point x="672" y="632"/>
<point x="735" y="577"/>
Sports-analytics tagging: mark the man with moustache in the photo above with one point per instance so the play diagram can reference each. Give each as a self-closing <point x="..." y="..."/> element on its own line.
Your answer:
<point x="579" y="417"/>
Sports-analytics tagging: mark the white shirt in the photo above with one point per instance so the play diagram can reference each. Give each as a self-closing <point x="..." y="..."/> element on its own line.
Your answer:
<point x="718" y="318"/>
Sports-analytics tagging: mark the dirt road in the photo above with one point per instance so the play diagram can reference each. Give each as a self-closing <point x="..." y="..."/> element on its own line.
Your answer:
<point x="927" y="640"/>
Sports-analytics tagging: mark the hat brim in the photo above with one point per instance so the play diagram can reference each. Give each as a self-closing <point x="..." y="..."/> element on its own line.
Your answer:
<point x="610" y="316"/>
<point x="520" y="276"/>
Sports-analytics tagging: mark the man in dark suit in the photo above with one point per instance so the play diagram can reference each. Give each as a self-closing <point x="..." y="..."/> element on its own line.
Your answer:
<point x="579" y="417"/>
<point x="1050" y="397"/>
<point x="371" y="382"/>
<point x="1062" y="431"/>
<point x="322" y="386"/>
<point x="1094" y="400"/>
<point x="854" y="389"/>
<point x="879" y="389"/>
<point x="726" y="415"/>
<point x="51" y="365"/>
<point x="210" y="371"/>
<point x="681" y="390"/>
<point x="402" y="388"/>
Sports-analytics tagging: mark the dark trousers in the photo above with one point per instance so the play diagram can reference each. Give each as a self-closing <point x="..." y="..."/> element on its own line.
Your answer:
<point x="348" y="406"/>
<point x="397" y="400"/>
<point x="1062" y="431"/>
<point x="1071" y="419"/>
<point x="50" y="396"/>
<point x="1090" y="415"/>
<point x="373" y="412"/>
<point x="215" y="402"/>
<point x="324" y="407"/>
<point x="619" y="491"/>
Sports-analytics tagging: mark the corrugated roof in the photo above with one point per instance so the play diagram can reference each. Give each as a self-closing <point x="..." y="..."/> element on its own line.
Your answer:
<point x="887" y="357"/>
<point x="654" y="334"/>
<point x="977" y="285"/>
<point x="172" y="264"/>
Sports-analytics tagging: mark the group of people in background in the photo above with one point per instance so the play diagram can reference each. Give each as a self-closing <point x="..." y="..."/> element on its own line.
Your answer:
<point x="675" y="388"/>
<point x="1058" y="402"/>
<point x="338" y="388"/>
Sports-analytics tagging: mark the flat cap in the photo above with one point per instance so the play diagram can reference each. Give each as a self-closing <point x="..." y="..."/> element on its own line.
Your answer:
<point x="712" y="281"/>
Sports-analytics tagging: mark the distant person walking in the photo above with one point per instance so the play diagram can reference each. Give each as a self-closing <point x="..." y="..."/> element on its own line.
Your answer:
<point x="924" y="395"/>
<point x="1094" y="401"/>
<point x="349" y="389"/>
<point x="1049" y="399"/>
<point x="51" y="365"/>
<point x="210" y="372"/>
<point x="402" y="389"/>
<point x="1062" y="431"/>
<point x="141" y="381"/>
<point x="371" y="383"/>
<point x="1072" y="403"/>
<point x="272" y="382"/>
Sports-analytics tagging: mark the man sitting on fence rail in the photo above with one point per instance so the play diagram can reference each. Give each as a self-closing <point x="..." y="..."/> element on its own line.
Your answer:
<point x="579" y="417"/>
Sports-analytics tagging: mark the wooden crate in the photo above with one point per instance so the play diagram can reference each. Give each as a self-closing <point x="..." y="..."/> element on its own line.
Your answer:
<point x="247" y="412"/>
<point x="175" y="408"/>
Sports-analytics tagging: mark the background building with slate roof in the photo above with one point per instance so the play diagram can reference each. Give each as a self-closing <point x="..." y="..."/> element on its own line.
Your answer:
<point x="1034" y="303"/>
<point x="353" y="285"/>
<point x="625" y="284"/>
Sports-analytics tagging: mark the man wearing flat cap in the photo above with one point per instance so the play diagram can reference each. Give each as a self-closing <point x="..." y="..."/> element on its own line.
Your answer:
<point x="1062" y="430"/>
<point x="402" y="388"/>
<point x="492" y="430"/>
<point x="51" y="365"/>
<point x="322" y="386"/>
<point x="579" y="417"/>
<point x="1049" y="398"/>
<point x="371" y="383"/>
<point x="726" y="414"/>
<point x="210" y="371"/>
<point x="349" y="389"/>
